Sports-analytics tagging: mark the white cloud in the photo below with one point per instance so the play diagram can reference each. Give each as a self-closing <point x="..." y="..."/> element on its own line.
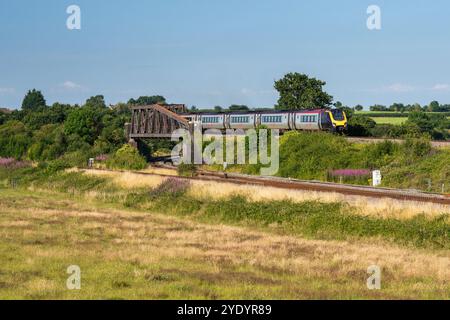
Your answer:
<point x="251" y="92"/>
<point x="399" y="87"/>
<point x="247" y="92"/>
<point x="441" y="87"/>
<point x="70" y="85"/>
<point x="7" y="90"/>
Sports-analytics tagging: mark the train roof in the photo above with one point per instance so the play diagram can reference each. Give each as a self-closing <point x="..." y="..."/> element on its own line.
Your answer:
<point x="254" y="112"/>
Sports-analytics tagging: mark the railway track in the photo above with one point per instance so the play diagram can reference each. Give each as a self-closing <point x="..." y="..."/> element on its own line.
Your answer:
<point x="294" y="184"/>
<point x="436" y="144"/>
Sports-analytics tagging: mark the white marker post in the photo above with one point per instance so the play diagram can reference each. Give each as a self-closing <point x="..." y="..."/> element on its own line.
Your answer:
<point x="376" y="178"/>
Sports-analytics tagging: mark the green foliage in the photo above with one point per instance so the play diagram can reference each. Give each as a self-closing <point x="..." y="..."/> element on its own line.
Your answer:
<point x="312" y="155"/>
<point x="430" y="173"/>
<point x="48" y="143"/>
<point x="238" y="107"/>
<point x="96" y="102"/>
<point x="83" y="122"/>
<point x="15" y="139"/>
<point x="416" y="147"/>
<point x="147" y="100"/>
<point x="360" y="126"/>
<point x="298" y="91"/>
<point x="436" y="125"/>
<point x="126" y="157"/>
<point x="33" y="100"/>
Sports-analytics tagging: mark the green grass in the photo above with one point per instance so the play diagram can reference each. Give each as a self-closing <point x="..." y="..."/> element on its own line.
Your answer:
<point x="135" y="253"/>
<point x="311" y="156"/>
<point x="390" y="120"/>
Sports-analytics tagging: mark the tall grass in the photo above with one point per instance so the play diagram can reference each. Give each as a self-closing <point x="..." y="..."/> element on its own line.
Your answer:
<point x="312" y="219"/>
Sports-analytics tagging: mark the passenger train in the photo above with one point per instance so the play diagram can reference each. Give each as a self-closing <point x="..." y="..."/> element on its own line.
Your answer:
<point x="333" y="120"/>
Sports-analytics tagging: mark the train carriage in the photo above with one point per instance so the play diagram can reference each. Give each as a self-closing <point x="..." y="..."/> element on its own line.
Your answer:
<point x="242" y="121"/>
<point x="213" y="121"/>
<point x="307" y="120"/>
<point x="279" y="120"/>
<point x="333" y="120"/>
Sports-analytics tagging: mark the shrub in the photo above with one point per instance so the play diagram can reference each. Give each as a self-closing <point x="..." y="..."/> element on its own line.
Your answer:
<point x="126" y="157"/>
<point x="360" y="125"/>
<point x="417" y="147"/>
<point x="14" y="139"/>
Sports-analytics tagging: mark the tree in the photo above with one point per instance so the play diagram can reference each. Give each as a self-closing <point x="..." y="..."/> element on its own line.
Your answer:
<point x="238" y="107"/>
<point x="378" y="107"/>
<point x="298" y="91"/>
<point x="147" y="100"/>
<point x="97" y="101"/>
<point x="434" y="106"/>
<point x="218" y="109"/>
<point x="84" y="123"/>
<point x="338" y="105"/>
<point x="397" y="107"/>
<point x="359" y="107"/>
<point x="33" y="100"/>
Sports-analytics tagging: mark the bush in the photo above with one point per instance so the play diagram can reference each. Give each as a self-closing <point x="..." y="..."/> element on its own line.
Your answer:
<point x="312" y="155"/>
<point x="416" y="147"/>
<point x="14" y="139"/>
<point x="360" y="126"/>
<point x="126" y="157"/>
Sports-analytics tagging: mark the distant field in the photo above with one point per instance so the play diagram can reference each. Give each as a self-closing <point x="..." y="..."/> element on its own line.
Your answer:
<point x="385" y="117"/>
<point x="390" y="120"/>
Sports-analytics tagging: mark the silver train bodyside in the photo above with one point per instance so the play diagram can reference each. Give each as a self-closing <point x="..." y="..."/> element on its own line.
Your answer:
<point x="310" y="120"/>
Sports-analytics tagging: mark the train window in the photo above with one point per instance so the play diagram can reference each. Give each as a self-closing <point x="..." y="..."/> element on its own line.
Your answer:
<point x="243" y="119"/>
<point x="271" y="119"/>
<point x="210" y="119"/>
<point x="337" y="114"/>
<point x="309" y="118"/>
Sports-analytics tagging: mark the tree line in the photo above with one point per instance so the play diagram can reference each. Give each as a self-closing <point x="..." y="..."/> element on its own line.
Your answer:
<point x="40" y="132"/>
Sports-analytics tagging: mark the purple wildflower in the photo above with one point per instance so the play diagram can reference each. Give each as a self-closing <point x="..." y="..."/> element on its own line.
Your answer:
<point x="101" y="157"/>
<point x="11" y="163"/>
<point x="171" y="186"/>
<point x="350" y="172"/>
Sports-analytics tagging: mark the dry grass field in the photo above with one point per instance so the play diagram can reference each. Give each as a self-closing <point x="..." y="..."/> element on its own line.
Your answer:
<point x="130" y="254"/>
<point x="221" y="190"/>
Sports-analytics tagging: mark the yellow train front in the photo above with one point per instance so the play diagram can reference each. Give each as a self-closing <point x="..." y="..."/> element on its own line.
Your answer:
<point x="333" y="120"/>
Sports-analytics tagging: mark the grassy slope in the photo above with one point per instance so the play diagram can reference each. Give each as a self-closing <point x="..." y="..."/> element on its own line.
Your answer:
<point x="311" y="156"/>
<point x="135" y="254"/>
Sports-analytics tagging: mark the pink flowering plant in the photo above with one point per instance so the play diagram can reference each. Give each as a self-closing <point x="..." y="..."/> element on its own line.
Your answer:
<point x="359" y="176"/>
<point x="101" y="157"/>
<point x="11" y="163"/>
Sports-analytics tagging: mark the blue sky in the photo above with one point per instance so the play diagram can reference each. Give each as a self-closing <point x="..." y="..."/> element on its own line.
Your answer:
<point x="210" y="52"/>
